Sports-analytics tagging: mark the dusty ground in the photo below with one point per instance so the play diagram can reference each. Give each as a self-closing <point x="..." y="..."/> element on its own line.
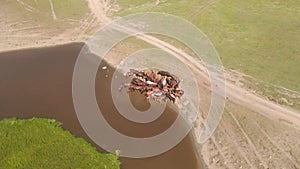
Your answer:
<point x="254" y="131"/>
<point x="24" y="29"/>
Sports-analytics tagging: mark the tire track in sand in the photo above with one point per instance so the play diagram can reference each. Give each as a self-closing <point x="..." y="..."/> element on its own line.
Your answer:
<point x="231" y="137"/>
<point x="219" y="149"/>
<point x="287" y="155"/>
<point x="251" y="144"/>
<point x="52" y="10"/>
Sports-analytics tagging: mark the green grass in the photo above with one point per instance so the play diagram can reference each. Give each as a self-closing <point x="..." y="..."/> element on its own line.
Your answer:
<point x="66" y="11"/>
<point x="71" y="9"/>
<point x="68" y="14"/>
<point x="42" y="143"/>
<point x="125" y="4"/>
<point x="42" y="5"/>
<point x="259" y="38"/>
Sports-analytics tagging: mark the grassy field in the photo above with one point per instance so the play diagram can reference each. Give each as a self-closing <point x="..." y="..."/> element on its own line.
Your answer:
<point x="71" y="9"/>
<point x="258" y="38"/>
<point x="42" y="143"/>
<point x="38" y="12"/>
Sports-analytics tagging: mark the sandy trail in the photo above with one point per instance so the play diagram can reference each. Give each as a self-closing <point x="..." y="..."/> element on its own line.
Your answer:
<point x="52" y="10"/>
<point x="234" y="92"/>
<point x="100" y="9"/>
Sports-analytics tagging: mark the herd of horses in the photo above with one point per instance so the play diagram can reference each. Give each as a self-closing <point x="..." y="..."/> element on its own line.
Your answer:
<point x="156" y="85"/>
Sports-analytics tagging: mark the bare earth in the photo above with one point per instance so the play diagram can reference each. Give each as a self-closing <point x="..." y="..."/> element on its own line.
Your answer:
<point x="254" y="132"/>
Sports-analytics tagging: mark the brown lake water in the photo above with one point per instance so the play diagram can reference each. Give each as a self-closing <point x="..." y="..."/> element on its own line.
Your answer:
<point x="38" y="83"/>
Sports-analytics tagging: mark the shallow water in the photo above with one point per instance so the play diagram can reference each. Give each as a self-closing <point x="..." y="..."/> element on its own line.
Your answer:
<point x="38" y="83"/>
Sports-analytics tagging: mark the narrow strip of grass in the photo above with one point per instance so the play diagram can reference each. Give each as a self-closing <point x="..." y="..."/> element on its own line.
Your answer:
<point x="42" y="143"/>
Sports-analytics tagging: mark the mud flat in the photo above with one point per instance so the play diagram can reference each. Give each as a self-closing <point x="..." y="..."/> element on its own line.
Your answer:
<point x="38" y="83"/>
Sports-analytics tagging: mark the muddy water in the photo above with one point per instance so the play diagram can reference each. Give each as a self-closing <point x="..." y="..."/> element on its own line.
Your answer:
<point x="38" y="83"/>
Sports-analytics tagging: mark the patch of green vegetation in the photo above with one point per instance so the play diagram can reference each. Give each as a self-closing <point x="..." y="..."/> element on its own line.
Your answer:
<point x="133" y="3"/>
<point x="181" y="8"/>
<point x="72" y="9"/>
<point x="38" y="14"/>
<point x="259" y="38"/>
<point x="39" y="5"/>
<point x="42" y="143"/>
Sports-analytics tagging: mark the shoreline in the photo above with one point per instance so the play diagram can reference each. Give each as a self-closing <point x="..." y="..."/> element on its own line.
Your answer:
<point x="37" y="46"/>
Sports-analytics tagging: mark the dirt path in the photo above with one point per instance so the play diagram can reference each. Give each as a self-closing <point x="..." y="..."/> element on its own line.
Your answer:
<point x="265" y="107"/>
<point x="100" y="9"/>
<point x="52" y="10"/>
<point x="234" y="92"/>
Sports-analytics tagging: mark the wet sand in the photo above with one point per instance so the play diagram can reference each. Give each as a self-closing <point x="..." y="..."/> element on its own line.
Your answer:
<point x="38" y="83"/>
